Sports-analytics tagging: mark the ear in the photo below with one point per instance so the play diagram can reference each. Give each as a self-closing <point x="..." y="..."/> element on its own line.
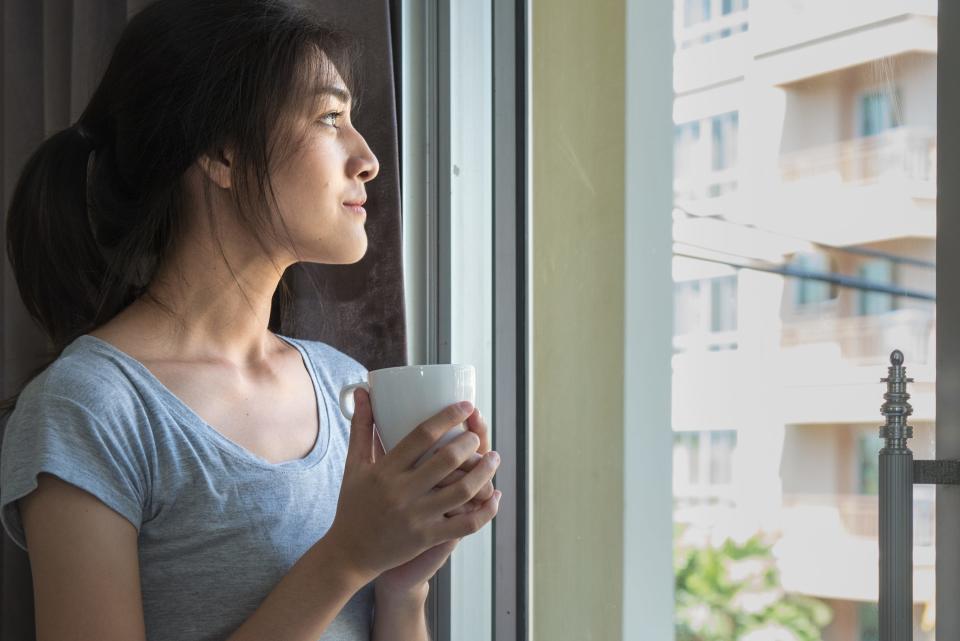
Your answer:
<point x="218" y="167"/>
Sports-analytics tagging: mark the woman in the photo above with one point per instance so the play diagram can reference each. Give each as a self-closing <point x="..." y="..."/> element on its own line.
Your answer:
<point x="180" y="471"/>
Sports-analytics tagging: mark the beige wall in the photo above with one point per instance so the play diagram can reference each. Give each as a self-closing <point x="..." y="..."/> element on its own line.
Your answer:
<point x="577" y="84"/>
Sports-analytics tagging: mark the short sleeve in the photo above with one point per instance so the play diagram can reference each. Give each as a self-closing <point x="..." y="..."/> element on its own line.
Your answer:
<point x="97" y="452"/>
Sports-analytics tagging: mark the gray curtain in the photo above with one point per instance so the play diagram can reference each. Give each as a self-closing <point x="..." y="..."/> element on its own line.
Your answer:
<point x="53" y="53"/>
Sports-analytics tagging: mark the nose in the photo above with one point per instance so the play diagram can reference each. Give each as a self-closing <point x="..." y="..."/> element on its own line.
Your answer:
<point x="364" y="164"/>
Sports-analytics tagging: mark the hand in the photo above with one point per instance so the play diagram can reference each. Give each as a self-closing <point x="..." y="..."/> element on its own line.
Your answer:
<point x="389" y="511"/>
<point x="411" y="576"/>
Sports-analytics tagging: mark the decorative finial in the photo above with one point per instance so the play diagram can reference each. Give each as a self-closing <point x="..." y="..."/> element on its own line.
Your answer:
<point x="897" y="407"/>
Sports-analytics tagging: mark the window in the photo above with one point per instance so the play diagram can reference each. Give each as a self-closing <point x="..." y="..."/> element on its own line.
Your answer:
<point x="686" y="307"/>
<point x="810" y="290"/>
<point x="705" y="306"/>
<point x="729" y="6"/>
<point x="879" y="111"/>
<point x="685" y="139"/>
<point x="703" y="460"/>
<point x="695" y="12"/>
<point x="725" y="130"/>
<point x="723" y="304"/>
<point x="868" y="464"/>
<point x="868" y="616"/>
<point x="880" y="272"/>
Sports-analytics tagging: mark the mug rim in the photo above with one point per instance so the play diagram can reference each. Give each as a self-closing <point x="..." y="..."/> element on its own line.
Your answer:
<point x="426" y="366"/>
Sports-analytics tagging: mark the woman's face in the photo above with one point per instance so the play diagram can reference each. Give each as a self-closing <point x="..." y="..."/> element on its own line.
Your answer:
<point x="320" y="185"/>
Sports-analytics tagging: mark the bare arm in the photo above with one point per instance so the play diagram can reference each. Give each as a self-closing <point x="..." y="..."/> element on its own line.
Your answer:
<point x="86" y="576"/>
<point x="401" y="617"/>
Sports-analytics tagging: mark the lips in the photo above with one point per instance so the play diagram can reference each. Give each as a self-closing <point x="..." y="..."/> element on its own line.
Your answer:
<point x="355" y="203"/>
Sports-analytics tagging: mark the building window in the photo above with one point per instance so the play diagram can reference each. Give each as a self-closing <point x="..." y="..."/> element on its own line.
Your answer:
<point x="695" y="12"/>
<point x="686" y="307"/>
<point x="705" y="306"/>
<point x="868" y="463"/>
<point x="868" y="620"/>
<point x="685" y="139"/>
<point x="878" y="272"/>
<point x="810" y="290"/>
<point x="703" y="460"/>
<point x="879" y="111"/>
<point x="729" y="6"/>
<point x="725" y="130"/>
<point x="723" y="304"/>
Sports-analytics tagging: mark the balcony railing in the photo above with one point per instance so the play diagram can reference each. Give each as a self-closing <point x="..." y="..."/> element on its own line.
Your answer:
<point x="903" y="152"/>
<point x="855" y="515"/>
<point x="808" y="516"/>
<point x="864" y="339"/>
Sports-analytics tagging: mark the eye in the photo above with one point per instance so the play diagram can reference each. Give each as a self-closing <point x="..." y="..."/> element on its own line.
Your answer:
<point x="331" y="118"/>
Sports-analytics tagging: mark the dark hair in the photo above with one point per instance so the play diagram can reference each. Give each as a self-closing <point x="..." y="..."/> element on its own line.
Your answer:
<point x="97" y="207"/>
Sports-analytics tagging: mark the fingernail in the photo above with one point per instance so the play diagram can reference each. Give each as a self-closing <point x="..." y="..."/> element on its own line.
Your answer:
<point x="494" y="457"/>
<point x="496" y="495"/>
<point x="466" y="407"/>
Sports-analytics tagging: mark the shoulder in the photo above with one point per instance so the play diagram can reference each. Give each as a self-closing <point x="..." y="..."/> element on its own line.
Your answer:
<point x="85" y="382"/>
<point x="333" y="362"/>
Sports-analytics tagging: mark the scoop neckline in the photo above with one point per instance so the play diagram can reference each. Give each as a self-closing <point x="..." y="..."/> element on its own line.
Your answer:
<point x="200" y="426"/>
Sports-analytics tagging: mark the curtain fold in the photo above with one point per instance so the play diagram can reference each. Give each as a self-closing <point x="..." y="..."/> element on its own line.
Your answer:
<point x="53" y="53"/>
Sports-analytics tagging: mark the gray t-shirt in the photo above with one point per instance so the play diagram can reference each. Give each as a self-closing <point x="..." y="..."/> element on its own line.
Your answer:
<point x="218" y="525"/>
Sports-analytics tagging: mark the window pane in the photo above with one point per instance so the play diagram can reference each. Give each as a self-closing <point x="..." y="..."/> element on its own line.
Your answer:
<point x="812" y="183"/>
<point x="696" y="11"/>
<point x="725" y="131"/>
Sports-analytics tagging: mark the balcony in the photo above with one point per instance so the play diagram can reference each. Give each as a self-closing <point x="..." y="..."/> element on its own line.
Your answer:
<point x="856" y="191"/>
<point x="828" y="542"/>
<point x="902" y="154"/>
<point x="867" y="340"/>
<point x="807" y="383"/>
<point x="798" y="39"/>
<point x="829" y="546"/>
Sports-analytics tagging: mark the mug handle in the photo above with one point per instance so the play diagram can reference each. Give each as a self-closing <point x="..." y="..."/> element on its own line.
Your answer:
<point x="347" y="393"/>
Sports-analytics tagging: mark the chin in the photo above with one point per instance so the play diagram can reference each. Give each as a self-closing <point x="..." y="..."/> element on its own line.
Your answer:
<point x="354" y="256"/>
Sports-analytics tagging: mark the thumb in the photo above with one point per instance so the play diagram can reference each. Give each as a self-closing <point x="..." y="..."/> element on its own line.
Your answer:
<point x="361" y="428"/>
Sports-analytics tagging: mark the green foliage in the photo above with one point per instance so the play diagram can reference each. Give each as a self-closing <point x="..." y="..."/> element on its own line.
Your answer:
<point x="733" y="592"/>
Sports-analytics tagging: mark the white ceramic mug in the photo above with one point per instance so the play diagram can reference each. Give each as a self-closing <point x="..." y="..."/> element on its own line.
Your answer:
<point x="404" y="397"/>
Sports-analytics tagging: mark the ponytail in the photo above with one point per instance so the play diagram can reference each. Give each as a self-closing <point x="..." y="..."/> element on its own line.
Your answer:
<point x="57" y="264"/>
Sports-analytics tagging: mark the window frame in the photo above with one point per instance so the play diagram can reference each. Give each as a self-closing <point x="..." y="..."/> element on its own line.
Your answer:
<point x="427" y="101"/>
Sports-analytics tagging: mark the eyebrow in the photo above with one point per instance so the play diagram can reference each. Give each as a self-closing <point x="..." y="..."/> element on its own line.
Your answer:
<point x="342" y="94"/>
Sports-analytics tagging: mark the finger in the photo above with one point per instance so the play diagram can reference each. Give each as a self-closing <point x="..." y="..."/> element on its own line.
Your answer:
<point x="444" y="461"/>
<point x="462" y="471"/>
<point x="463" y="509"/>
<point x="425" y="435"/>
<point x="469" y="506"/>
<point x="470" y="522"/>
<point x="485" y="492"/>
<point x="452" y="478"/>
<point x="360" y="447"/>
<point x="471" y="462"/>
<point x="443" y="500"/>
<point x="478" y="425"/>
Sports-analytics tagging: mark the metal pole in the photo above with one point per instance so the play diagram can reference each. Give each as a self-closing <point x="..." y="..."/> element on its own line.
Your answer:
<point x="896" y="508"/>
